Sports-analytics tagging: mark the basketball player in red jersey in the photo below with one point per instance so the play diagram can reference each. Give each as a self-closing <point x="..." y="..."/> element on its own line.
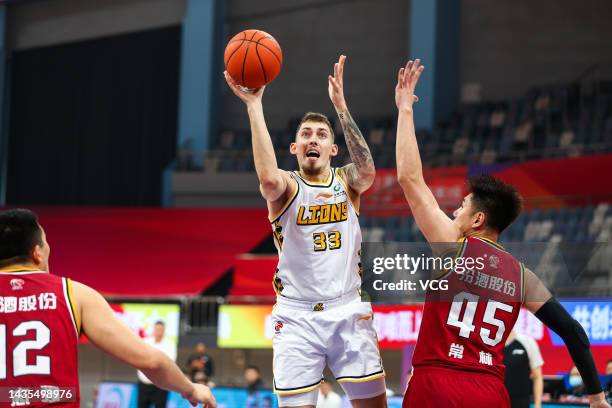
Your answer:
<point x="458" y="360"/>
<point x="41" y="318"/>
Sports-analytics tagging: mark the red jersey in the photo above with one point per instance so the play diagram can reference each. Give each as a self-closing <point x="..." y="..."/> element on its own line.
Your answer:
<point x="39" y="334"/>
<point x="466" y="327"/>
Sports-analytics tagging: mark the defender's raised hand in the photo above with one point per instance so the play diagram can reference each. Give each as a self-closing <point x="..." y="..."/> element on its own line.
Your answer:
<point x="336" y="85"/>
<point x="407" y="79"/>
<point x="245" y="95"/>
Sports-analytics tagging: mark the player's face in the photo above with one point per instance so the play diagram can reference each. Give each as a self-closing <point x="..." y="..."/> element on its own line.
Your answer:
<point x="466" y="217"/>
<point x="313" y="147"/>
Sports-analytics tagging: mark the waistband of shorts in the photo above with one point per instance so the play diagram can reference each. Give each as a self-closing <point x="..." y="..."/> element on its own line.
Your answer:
<point x="318" y="306"/>
<point x="455" y="371"/>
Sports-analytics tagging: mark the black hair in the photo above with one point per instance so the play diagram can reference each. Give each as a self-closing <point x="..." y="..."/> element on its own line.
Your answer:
<point x="253" y="367"/>
<point x="161" y="322"/>
<point x="500" y="202"/>
<point x="19" y="234"/>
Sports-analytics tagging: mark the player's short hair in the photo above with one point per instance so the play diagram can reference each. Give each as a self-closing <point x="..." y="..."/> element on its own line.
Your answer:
<point x="317" y="117"/>
<point x="253" y="367"/>
<point x="501" y="202"/>
<point x="19" y="234"/>
<point x="160" y="322"/>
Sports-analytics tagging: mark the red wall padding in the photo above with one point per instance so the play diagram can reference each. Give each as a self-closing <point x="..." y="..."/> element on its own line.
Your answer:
<point x="149" y="251"/>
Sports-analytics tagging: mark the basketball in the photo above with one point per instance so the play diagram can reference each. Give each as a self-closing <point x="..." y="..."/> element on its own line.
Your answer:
<point x="253" y="58"/>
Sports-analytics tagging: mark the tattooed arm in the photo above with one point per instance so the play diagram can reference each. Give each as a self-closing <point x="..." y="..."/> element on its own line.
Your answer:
<point x="361" y="172"/>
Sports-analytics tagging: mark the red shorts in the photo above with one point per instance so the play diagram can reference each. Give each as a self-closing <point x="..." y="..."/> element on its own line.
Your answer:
<point x="441" y="387"/>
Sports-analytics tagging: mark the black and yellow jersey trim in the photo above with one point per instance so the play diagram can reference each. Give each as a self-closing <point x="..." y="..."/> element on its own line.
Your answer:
<point x="277" y="234"/>
<point x="523" y="283"/>
<point x="361" y="378"/>
<point x="297" y="390"/>
<point x="19" y="269"/>
<point x="494" y="244"/>
<point x="320" y="184"/>
<point x="286" y="206"/>
<point x="277" y="284"/>
<point x="74" y="315"/>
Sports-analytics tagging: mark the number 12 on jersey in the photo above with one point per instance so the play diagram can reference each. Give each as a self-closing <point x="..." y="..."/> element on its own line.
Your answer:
<point x="330" y="240"/>
<point x="465" y="323"/>
<point x="19" y="353"/>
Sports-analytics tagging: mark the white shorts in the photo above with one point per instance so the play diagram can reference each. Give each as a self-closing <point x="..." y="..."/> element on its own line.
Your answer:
<point x="340" y="334"/>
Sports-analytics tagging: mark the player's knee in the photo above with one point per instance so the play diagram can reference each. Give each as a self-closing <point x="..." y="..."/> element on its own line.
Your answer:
<point x="373" y="389"/>
<point x="379" y="401"/>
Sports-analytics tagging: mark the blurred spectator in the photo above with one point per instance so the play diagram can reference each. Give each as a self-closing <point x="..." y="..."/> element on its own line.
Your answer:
<point x="523" y="362"/>
<point x="574" y="384"/>
<point x="200" y="362"/>
<point x="254" y="383"/>
<point x="327" y="397"/>
<point x="200" y="378"/>
<point x="148" y="393"/>
<point x="252" y="376"/>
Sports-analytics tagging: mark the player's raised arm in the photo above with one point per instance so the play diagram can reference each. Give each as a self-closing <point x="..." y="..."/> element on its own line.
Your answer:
<point x="361" y="172"/>
<point x="540" y="302"/>
<point x="111" y="335"/>
<point x="432" y="221"/>
<point x="273" y="181"/>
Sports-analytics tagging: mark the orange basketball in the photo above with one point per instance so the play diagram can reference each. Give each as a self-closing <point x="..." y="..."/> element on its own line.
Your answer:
<point x="253" y="58"/>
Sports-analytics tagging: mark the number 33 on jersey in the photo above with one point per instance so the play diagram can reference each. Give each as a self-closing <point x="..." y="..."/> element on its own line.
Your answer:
<point x="318" y="239"/>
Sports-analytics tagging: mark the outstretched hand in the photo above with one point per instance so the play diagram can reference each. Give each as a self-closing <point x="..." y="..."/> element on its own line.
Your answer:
<point x="246" y="95"/>
<point x="407" y="79"/>
<point x="336" y="85"/>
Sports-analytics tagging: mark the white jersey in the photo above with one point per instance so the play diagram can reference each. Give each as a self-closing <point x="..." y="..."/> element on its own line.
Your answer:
<point x="318" y="239"/>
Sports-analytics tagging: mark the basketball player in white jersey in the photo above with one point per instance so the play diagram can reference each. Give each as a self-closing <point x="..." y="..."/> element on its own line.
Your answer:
<point x="319" y="317"/>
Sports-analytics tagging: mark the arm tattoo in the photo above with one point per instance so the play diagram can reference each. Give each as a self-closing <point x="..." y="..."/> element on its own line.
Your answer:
<point x="357" y="147"/>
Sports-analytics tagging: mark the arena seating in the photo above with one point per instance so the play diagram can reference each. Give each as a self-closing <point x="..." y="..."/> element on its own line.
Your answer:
<point x="548" y="121"/>
<point x="569" y="248"/>
<point x="579" y="225"/>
